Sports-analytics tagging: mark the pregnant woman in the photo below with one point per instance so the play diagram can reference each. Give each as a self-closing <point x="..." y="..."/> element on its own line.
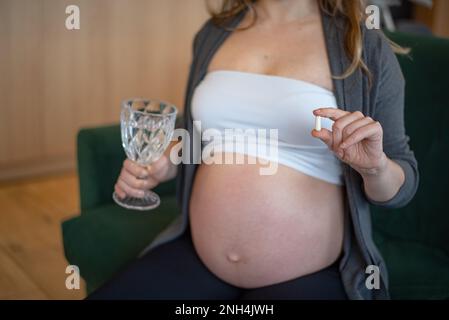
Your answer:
<point x="302" y="232"/>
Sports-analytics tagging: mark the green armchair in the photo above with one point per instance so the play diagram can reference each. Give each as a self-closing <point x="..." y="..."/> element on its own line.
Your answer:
<point x="413" y="240"/>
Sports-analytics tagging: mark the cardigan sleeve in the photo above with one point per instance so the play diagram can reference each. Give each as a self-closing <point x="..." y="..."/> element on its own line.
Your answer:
<point x="389" y="111"/>
<point x="198" y="40"/>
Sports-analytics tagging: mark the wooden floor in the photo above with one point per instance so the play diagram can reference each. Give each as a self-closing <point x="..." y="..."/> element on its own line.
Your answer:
<point x="32" y="263"/>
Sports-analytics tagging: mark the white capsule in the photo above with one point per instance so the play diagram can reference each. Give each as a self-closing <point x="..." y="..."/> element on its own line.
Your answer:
<point x="318" y="123"/>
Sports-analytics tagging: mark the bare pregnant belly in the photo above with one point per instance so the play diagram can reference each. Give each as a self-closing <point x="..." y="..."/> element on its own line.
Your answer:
<point x="252" y="230"/>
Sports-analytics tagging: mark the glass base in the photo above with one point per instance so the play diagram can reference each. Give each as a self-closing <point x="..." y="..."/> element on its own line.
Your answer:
<point x="150" y="201"/>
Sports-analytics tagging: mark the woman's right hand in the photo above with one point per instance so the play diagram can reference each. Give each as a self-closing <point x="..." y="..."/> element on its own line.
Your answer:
<point x="135" y="179"/>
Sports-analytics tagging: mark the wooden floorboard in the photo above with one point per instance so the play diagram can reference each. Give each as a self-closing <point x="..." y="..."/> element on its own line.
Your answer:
<point x="31" y="253"/>
<point x="14" y="282"/>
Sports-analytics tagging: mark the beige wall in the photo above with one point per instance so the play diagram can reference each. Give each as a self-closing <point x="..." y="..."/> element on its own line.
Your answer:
<point x="54" y="81"/>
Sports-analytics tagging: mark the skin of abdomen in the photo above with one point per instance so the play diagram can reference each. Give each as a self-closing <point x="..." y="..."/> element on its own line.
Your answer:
<point x="252" y="230"/>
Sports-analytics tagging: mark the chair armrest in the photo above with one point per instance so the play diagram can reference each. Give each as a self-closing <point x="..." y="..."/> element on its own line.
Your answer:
<point x="100" y="158"/>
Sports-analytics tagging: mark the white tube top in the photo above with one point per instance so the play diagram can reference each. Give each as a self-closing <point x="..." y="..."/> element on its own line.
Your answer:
<point x="233" y="100"/>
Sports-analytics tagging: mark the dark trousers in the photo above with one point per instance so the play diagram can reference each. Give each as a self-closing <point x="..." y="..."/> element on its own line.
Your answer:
<point x="174" y="271"/>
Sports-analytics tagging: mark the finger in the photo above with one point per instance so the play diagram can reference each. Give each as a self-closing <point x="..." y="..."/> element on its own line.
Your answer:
<point x="129" y="190"/>
<point x="350" y="128"/>
<point x="136" y="183"/>
<point x="362" y="133"/>
<point x="331" y="113"/>
<point x="324" y="135"/>
<point x="120" y="193"/>
<point x="340" y="125"/>
<point x="135" y="169"/>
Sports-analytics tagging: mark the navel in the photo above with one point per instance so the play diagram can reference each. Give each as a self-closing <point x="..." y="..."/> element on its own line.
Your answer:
<point x="233" y="257"/>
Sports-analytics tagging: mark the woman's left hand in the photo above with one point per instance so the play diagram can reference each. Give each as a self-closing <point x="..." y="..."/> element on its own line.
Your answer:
<point x="355" y="139"/>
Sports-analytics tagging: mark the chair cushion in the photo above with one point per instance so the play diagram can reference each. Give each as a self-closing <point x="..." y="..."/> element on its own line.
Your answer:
<point x="417" y="271"/>
<point x="103" y="241"/>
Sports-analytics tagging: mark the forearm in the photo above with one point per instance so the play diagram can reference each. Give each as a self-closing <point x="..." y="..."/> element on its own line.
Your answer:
<point x="383" y="184"/>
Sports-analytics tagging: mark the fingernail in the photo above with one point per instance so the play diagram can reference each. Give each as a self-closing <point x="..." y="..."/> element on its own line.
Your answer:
<point x="343" y="145"/>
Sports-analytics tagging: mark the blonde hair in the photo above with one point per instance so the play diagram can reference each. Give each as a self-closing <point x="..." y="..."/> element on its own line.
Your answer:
<point x="350" y="10"/>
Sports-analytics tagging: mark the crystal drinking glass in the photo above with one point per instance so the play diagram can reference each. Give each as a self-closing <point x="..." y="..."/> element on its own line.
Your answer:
<point x="147" y="127"/>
